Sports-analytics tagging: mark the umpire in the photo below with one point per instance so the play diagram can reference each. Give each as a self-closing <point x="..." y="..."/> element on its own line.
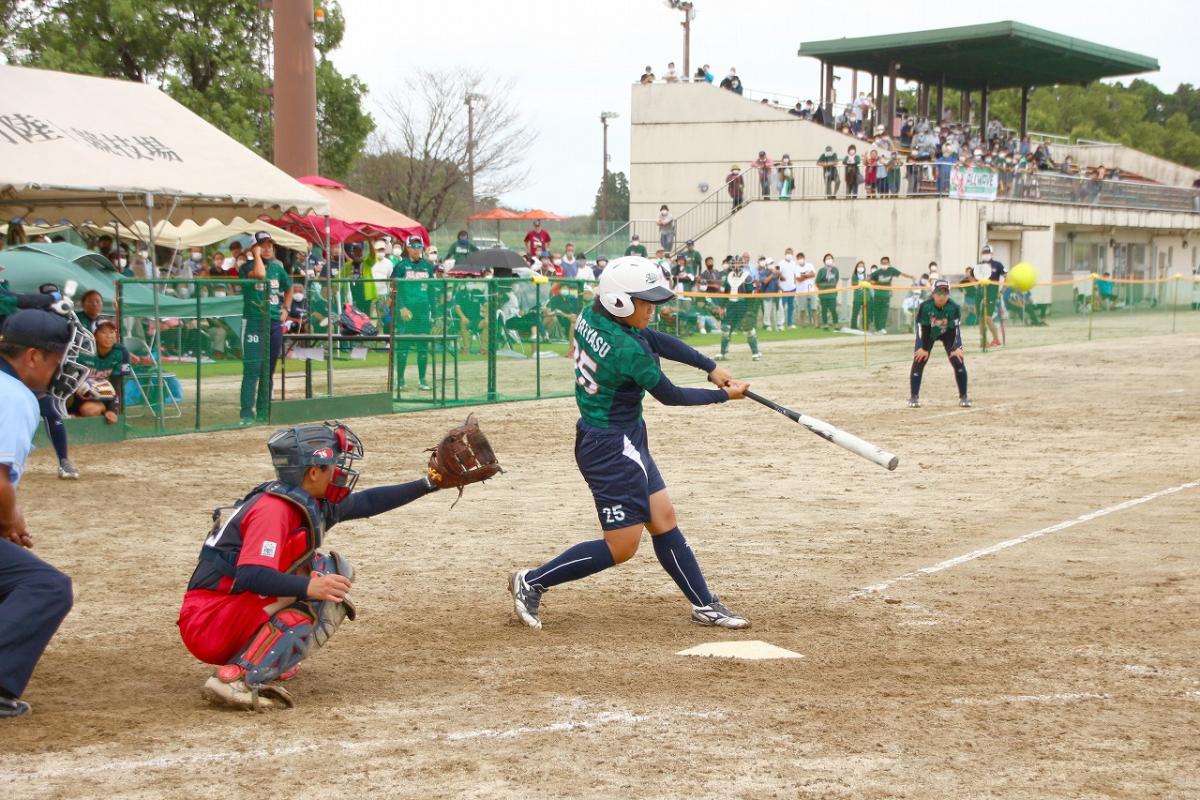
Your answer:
<point x="34" y="596"/>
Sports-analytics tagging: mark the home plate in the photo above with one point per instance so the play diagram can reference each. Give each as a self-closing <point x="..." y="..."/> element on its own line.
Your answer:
<point x="752" y="650"/>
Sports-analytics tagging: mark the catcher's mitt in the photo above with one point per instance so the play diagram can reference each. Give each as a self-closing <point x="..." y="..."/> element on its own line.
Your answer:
<point x="463" y="456"/>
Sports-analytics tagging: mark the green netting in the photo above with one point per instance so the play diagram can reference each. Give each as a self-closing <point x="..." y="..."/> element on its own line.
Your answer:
<point x="440" y="342"/>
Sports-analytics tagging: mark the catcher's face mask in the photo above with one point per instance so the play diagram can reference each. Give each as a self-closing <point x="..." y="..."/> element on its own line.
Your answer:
<point x="71" y="374"/>
<point x="344" y="477"/>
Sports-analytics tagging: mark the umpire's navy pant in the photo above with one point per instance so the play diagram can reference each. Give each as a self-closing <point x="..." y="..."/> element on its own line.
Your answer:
<point x="34" y="599"/>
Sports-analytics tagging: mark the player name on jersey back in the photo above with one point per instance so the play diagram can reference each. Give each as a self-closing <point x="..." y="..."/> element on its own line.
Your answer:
<point x="595" y="340"/>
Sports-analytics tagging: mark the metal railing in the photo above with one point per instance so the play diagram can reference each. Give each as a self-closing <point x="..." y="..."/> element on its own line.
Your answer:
<point x="914" y="180"/>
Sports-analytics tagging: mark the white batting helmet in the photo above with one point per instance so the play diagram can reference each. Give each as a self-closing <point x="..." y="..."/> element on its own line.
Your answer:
<point x="628" y="277"/>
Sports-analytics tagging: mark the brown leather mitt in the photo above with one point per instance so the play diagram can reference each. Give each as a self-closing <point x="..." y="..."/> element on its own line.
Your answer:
<point x="463" y="456"/>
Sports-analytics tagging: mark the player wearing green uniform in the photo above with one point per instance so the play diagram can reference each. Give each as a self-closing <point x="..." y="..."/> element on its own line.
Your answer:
<point x="881" y="303"/>
<point x="740" y="310"/>
<point x="827" y="280"/>
<point x="616" y="363"/>
<point x="860" y="301"/>
<point x="413" y="307"/>
<point x="695" y="261"/>
<point x="461" y="248"/>
<point x="938" y="320"/>
<point x="264" y="304"/>
<point x="102" y="391"/>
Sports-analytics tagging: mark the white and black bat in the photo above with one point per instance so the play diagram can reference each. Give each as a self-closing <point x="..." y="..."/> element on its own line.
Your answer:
<point x="833" y="434"/>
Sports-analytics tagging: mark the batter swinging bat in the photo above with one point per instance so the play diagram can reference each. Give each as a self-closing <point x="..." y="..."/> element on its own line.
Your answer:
<point x="831" y="434"/>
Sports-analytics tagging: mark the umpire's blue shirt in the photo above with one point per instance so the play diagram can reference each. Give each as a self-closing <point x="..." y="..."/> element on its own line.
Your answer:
<point x="18" y="421"/>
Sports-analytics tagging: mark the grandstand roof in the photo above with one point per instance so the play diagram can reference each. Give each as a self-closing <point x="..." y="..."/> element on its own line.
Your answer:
<point x="999" y="54"/>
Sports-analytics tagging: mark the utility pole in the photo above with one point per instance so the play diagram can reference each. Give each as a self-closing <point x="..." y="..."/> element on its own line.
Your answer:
<point x="689" y="14"/>
<point x="605" y="116"/>
<point x="471" y="97"/>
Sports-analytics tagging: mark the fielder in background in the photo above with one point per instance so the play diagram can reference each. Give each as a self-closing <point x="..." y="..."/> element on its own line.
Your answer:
<point x="262" y="596"/>
<point x="938" y="320"/>
<point x="740" y="310"/>
<point x="265" y="304"/>
<point x="414" y="313"/>
<point x="38" y="354"/>
<point x="993" y="307"/>
<point x="616" y="363"/>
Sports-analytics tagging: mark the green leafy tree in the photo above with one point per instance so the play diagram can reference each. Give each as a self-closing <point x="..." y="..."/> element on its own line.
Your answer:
<point x="618" y="199"/>
<point x="210" y="55"/>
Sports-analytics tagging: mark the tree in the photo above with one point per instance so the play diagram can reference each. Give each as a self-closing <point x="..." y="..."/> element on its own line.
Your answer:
<point x="618" y="199"/>
<point x="421" y="165"/>
<point x="208" y="54"/>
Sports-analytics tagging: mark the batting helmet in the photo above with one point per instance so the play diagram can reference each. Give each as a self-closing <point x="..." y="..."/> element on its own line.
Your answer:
<point x="294" y="450"/>
<point x="631" y="277"/>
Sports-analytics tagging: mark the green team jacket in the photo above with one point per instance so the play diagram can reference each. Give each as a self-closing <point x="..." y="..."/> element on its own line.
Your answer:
<point x="828" y="277"/>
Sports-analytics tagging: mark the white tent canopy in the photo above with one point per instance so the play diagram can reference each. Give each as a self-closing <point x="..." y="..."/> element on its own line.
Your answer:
<point x="78" y="149"/>
<point x="191" y="234"/>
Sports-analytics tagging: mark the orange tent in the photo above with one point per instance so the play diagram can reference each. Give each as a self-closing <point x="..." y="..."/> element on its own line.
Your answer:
<point x="541" y="214"/>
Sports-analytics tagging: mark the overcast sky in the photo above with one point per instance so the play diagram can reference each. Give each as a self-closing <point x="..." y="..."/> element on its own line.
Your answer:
<point x="572" y="59"/>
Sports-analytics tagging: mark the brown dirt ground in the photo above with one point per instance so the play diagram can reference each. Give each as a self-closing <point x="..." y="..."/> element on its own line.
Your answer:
<point x="1063" y="667"/>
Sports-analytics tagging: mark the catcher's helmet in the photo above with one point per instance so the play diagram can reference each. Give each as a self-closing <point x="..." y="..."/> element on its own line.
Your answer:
<point x="629" y="277"/>
<point x="294" y="450"/>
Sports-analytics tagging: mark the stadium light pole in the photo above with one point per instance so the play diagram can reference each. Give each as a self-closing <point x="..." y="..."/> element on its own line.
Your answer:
<point x="689" y="14"/>
<point x="605" y="116"/>
<point x="471" y="97"/>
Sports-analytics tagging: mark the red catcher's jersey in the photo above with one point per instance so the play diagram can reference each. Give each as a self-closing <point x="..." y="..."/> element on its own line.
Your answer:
<point x="272" y="533"/>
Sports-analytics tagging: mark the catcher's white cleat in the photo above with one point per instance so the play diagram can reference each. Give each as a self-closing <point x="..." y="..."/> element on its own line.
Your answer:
<point x="716" y="615"/>
<point x="526" y="599"/>
<point x="239" y="694"/>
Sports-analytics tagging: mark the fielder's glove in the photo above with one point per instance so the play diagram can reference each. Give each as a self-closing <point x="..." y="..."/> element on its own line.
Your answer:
<point x="463" y="456"/>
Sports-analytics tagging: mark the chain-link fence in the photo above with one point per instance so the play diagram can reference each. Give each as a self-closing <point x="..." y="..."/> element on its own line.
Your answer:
<point x="212" y="354"/>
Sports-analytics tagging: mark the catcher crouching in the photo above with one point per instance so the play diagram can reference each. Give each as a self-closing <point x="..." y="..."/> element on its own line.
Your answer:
<point x="263" y="596"/>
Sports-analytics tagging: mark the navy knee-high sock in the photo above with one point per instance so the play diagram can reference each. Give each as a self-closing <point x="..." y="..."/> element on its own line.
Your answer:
<point x="585" y="558"/>
<point x="960" y="375"/>
<point x="54" y="426"/>
<point x="914" y="377"/>
<point x="679" y="561"/>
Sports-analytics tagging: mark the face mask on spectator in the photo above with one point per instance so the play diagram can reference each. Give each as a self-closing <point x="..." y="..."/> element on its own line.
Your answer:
<point x="122" y="262"/>
<point x="197" y="256"/>
<point x="398" y="251"/>
<point x="297" y="295"/>
<point x="987" y="256"/>
<point x="829" y="262"/>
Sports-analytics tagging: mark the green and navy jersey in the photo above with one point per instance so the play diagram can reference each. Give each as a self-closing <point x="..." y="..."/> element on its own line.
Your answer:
<point x="935" y="323"/>
<point x="264" y="297"/>
<point x="107" y="367"/>
<point x="414" y="294"/>
<point x="614" y="367"/>
<point x="636" y="250"/>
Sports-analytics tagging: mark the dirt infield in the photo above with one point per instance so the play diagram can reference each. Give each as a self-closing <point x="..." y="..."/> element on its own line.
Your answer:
<point x="1062" y="666"/>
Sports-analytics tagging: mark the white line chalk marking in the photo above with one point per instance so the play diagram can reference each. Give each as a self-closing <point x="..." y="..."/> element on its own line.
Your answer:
<point x="603" y="718"/>
<point x="996" y="548"/>
<point x="1064" y="697"/>
<point x="169" y="761"/>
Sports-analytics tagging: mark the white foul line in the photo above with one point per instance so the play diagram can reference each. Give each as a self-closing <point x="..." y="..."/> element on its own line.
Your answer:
<point x="996" y="548"/>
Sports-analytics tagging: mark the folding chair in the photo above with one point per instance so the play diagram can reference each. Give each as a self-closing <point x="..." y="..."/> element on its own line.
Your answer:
<point x="145" y="377"/>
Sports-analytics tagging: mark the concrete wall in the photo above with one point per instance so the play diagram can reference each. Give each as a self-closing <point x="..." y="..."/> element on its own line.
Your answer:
<point x="1129" y="159"/>
<point x="686" y="134"/>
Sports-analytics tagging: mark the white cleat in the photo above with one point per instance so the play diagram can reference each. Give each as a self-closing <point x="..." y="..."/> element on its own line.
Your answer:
<point x="526" y="600"/>
<point x="66" y="470"/>
<point x="239" y="694"/>
<point x="716" y="615"/>
<point x="756" y="357"/>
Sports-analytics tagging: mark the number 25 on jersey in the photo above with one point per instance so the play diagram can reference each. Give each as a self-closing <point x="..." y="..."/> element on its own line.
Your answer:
<point x="585" y="371"/>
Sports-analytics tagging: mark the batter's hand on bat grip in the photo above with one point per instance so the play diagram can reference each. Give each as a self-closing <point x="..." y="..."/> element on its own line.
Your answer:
<point x="735" y="389"/>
